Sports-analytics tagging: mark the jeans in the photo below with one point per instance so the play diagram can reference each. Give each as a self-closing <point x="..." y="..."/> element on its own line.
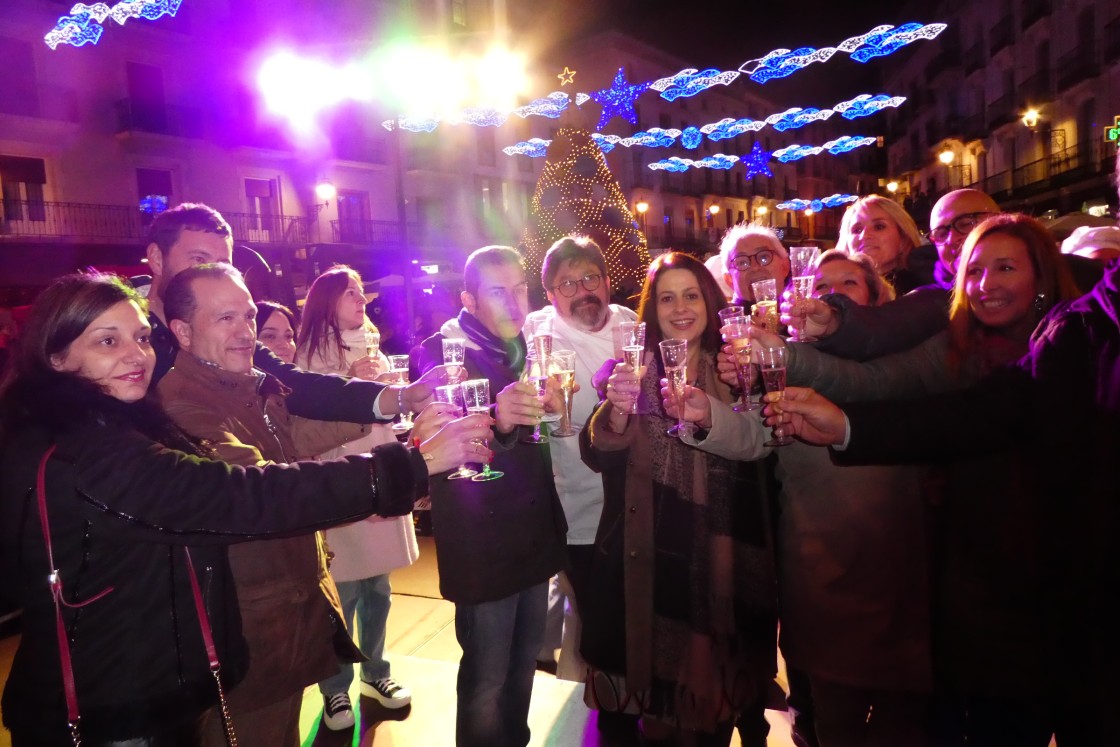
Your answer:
<point x="370" y="598"/>
<point x="500" y="641"/>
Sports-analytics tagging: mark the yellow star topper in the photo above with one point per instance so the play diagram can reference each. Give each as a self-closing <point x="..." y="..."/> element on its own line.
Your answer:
<point x="567" y="76"/>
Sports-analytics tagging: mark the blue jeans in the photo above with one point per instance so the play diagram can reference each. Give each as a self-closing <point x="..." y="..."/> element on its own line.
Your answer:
<point x="370" y="598"/>
<point x="500" y="641"/>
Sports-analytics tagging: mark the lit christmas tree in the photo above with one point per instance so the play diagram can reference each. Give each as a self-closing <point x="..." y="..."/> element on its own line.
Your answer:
<point x="578" y="194"/>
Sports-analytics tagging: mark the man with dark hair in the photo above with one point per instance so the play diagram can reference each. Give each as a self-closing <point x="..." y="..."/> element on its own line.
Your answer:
<point x="192" y="234"/>
<point x="289" y="604"/>
<point x="498" y="542"/>
<point x="574" y="275"/>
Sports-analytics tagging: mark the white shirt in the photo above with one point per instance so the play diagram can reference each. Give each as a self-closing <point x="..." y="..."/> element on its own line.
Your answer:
<point x="580" y="489"/>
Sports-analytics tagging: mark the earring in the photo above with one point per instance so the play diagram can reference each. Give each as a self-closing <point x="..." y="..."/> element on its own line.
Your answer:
<point x="1040" y="302"/>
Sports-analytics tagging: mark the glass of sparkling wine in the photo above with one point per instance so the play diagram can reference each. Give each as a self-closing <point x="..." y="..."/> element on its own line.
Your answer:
<point x="729" y="312"/>
<point x="373" y="343"/>
<point x="774" y="377"/>
<point x="452" y="394"/>
<point x="476" y="396"/>
<point x="674" y="354"/>
<point x="736" y="331"/>
<point x="766" y="303"/>
<point x="454" y="353"/>
<point x="802" y="289"/>
<point x="398" y="365"/>
<point x="562" y="368"/>
<point x="802" y="258"/>
<point x="632" y="355"/>
<point x="541" y="383"/>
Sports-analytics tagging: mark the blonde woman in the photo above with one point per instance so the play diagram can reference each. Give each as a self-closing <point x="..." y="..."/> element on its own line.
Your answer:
<point x="882" y="230"/>
<point x="336" y="337"/>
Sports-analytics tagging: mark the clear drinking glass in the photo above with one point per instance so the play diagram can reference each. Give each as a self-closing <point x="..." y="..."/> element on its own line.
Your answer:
<point x="373" y="343"/>
<point x="541" y="383"/>
<point x="454" y="353"/>
<point x="452" y="394"/>
<point x="730" y="312"/>
<point x="736" y="331"/>
<point x="774" y="377"/>
<point x="398" y="364"/>
<point x="633" y="336"/>
<point x="766" y="303"/>
<point x="674" y="354"/>
<point x="562" y="367"/>
<point x="802" y="259"/>
<point x="802" y="289"/>
<point x="476" y="397"/>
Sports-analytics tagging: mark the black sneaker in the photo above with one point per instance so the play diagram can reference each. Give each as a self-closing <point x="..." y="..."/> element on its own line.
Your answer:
<point x="338" y="713"/>
<point x="387" y="692"/>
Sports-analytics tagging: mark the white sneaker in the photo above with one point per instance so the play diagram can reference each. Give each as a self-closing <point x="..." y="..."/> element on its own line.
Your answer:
<point x="338" y="713"/>
<point x="387" y="692"/>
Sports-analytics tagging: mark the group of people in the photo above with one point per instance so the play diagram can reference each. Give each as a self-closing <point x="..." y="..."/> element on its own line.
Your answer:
<point x="169" y="460"/>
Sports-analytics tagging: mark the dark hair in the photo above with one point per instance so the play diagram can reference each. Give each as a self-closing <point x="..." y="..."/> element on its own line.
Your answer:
<point x="1052" y="275"/>
<point x="265" y="310"/>
<point x="570" y="249"/>
<point x="320" y="313"/>
<point x="178" y="296"/>
<point x="60" y="315"/>
<point x="169" y="225"/>
<point x="487" y="256"/>
<point x="879" y="289"/>
<point x="710" y="340"/>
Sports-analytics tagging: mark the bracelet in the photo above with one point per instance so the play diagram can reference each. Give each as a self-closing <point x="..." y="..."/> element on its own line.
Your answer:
<point x="400" y="401"/>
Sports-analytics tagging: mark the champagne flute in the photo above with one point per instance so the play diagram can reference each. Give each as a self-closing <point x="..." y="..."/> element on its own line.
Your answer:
<point x="476" y="397"/>
<point x="454" y="354"/>
<point x="452" y="394"/>
<point x="633" y="348"/>
<point x="774" y="377"/>
<point x="766" y="303"/>
<point x="802" y="289"/>
<point x="398" y="364"/>
<point x="674" y="354"/>
<point x="373" y="343"/>
<point x="730" y="312"/>
<point x="541" y="383"/>
<point x="562" y="367"/>
<point x="801" y="260"/>
<point x="737" y="332"/>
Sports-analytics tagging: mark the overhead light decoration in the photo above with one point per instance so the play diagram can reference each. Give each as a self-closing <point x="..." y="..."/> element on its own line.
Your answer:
<point x="756" y="162"/>
<point x="689" y="82"/>
<point x="533" y="147"/>
<point x="718" y="161"/>
<point x="818" y="205"/>
<point x="835" y="147"/>
<point x="85" y="23"/>
<point x="567" y="76"/>
<point x="618" y="100"/>
<point x="691" y="138"/>
<point x="153" y="204"/>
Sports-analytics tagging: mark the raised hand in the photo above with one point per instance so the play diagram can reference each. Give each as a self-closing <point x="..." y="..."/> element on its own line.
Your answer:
<point x="813" y="315"/>
<point x="452" y="444"/>
<point x="517" y="404"/>
<point x="367" y="367"/>
<point x="697" y="406"/>
<point x="725" y="366"/>
<point x="807" y="415"/>
<point x="623" y="386"/>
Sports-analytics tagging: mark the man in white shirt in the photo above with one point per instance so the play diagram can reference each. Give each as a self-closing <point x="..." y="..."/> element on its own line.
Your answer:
<point x="582" y="319"/>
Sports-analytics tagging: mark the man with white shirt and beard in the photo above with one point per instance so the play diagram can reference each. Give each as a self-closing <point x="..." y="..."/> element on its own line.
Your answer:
<point x="581" y="318"/>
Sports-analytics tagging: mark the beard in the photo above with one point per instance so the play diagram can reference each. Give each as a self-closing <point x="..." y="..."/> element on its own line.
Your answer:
<point x="588" y="313"/>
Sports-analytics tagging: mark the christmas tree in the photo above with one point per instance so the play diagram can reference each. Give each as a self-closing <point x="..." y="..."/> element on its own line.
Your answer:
<point x="578" y="194"/>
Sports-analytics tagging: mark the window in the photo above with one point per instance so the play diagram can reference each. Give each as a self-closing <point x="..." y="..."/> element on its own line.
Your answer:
<point x="459" y="13"/>
<point x="264" y="207"/>
<point x="153" y="188"/>
<point x="147" y="109"/>
<point x="21" y="95"/>
<point x="22" y="181"/>
<point x="690" y="223"/>
<point x="354" y="226"/>
<point x="667" y="223"/>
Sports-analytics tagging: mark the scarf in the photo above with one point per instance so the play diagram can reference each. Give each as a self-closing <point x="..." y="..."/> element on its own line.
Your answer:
<point x="510" y="353"/>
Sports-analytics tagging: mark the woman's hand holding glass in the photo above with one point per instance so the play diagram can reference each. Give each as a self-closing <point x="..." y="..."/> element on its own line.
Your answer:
<point x="811" y="317"/>
<point x="763" y="339"/>
<point x="623" y="386"/>
<point x="808" y="415"/>
<point x="697" y="406"/>
<point x="367" y="367"/>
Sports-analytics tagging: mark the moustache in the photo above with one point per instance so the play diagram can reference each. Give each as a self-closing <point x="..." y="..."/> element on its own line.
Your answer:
<point x="588" y="300"/>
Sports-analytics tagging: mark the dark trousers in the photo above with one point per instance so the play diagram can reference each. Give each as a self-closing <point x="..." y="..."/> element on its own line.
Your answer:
<point x="846" y="716"/>
<point x="984" y="721"/>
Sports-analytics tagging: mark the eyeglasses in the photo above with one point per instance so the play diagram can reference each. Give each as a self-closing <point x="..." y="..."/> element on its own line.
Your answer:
<point x="762" y="256"/>
<point x="569" y="288"/>
<point x="962" y="224"/>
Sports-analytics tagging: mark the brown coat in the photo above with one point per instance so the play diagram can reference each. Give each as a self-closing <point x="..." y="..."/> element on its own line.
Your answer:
<point x="284" y="591"/>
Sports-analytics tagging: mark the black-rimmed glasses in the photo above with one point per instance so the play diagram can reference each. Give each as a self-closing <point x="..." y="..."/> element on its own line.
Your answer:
<point x="962" y="224"/>
<point x="762" y="256"/>
<point x="568" y="288"/>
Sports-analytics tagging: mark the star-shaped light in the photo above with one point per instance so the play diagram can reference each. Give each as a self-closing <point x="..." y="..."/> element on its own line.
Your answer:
<point x="618" y="100"/>
<point x="756" y="160"/>
<point x="566" y="77"/>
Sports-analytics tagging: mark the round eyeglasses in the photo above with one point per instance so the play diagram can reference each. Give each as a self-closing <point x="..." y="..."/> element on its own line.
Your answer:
<point x="569" y="288"/>
<point x="762" y="256"/>
<point x="962" y="224"/>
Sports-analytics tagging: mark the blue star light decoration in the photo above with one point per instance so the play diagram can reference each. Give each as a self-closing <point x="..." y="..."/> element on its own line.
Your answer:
<point x="755" y="162"/>
<point x="817" y="205"/>
<point x="84" y="25"/>
<point x="618" y="100"/>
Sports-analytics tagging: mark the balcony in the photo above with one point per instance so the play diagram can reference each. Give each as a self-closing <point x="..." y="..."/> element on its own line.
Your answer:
<point x="1000" y="36"/>
<point x="134" y="115"/>
<point x="1001" y="111"/>
<point x="86" y="222"/>
<point x="1077" y="66"/>
<point x="1034" y="11"/>
<point x="948" y="59"/>
<point x="973" y="127"/>
<point x="369" y="232"/>
<point x="974" y="58"/>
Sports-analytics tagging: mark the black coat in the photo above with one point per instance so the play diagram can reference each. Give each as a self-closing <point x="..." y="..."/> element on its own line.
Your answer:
<point x="122" y="508"/>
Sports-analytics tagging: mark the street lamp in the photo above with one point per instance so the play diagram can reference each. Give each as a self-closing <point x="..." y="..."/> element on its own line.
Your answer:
<point x="1030" y="118"/>
<point x="761" y="212"/>
<point x="946" y="156"/>
<point x="642" y="207"/>
<point x="892" y="187"/>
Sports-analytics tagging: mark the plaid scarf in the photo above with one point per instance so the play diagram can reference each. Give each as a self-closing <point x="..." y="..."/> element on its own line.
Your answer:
<point x="510" y="353"/>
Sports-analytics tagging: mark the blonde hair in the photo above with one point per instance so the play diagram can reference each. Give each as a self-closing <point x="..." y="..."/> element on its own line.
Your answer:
<point x="907" y="228"/>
